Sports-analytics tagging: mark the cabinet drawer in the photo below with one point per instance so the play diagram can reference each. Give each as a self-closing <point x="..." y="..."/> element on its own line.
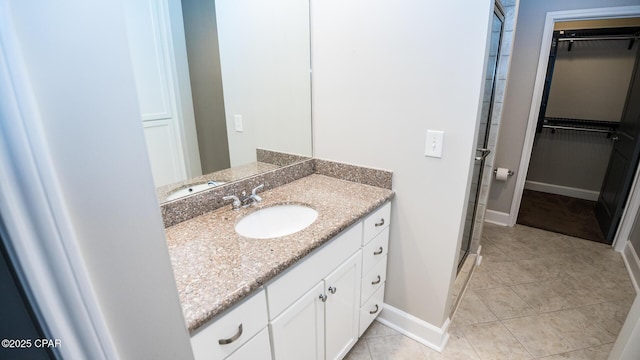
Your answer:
<point x="373" y="280"/>
<point x="376" y="222"/>
<point x="258" y="348"/>
<point x="220" y="338"/>
<point x="289" y="287"/>
<point x="371" y="309"/>
<point x="375" y="250"/>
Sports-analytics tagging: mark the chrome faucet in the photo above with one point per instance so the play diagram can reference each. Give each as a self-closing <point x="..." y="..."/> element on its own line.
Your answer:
<point x="255" y="197"/>
<point x="238" y="203"/>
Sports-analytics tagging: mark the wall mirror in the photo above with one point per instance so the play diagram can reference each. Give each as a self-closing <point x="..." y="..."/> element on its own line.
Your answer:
<point x="224" y="88"/>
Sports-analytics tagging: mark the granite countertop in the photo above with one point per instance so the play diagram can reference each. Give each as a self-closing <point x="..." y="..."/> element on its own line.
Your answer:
<point x="215" y="267"/>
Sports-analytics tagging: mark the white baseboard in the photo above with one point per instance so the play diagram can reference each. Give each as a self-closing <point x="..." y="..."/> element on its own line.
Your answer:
<point x="631" y="260"/>
<point x="562" y="190"/>
<point x="496" y="217"/>
<point x="419" y="330"/>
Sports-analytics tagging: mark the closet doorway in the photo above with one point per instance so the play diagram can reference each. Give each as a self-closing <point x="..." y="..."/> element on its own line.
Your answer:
<point x="586" y="147"/>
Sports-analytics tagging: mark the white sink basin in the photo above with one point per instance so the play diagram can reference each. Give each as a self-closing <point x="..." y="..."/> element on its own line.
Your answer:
<point x="275" y="221"/>
<point x="193" y="189"/>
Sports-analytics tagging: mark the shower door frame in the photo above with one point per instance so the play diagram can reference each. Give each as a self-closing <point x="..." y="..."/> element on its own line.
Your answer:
<point x="468" y="233"/>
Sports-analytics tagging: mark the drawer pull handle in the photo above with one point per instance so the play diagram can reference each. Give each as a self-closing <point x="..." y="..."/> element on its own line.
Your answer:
<point x="380" y="250"/>
<point x="380" y="223"/>
<point x="377" y="281"/>
<point x="323" y="297"/>
<point x="233" y="338"/>
<point x="332" y="289"/>
<point x="374" y="311"/>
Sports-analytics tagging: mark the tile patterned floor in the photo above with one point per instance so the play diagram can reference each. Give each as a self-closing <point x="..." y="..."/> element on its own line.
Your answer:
<point x="536" y="295"/>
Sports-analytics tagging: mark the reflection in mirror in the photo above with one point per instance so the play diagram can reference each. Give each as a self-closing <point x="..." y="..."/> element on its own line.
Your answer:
<point x="224" y="88"/>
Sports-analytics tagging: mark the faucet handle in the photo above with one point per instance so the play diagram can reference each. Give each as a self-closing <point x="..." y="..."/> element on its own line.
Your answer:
<point x="256" y="198"/>
<point x="253" y="192"/>
<point x="236" y="202"/>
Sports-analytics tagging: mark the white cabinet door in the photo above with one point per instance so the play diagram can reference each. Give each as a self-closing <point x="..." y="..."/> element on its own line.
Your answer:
<point x="298" y="333"/>
<point x="257" y="348"/>
<point x="342" y="308"/>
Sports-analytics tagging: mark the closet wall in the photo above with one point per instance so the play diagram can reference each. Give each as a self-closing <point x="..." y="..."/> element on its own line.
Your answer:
<point x="590" y="82"/>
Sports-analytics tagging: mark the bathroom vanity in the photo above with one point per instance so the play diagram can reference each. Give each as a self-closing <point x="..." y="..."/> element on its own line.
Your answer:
<point x="308" y="295"/>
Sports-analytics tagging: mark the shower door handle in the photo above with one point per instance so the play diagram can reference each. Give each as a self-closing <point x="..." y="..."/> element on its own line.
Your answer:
<point x="485" y="153"/>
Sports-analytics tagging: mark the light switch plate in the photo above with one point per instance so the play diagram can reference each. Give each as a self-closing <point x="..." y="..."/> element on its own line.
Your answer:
<point x="238" y="123"/>
<point x="434" y="144"/>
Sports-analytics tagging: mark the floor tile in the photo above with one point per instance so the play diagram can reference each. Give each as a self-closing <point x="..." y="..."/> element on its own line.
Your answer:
<point x="610" y="316"/>
<point x="485" y="279"/>
<point x="494" y="341"/>
<point x="537" y="336"/>
<point x="517" y="250"/>
<point x="514" y="273"/>
<point x="554" y="244"/>
<point x="579" y="290"/>
<point x="360" y="351"/>
<point x="542" y="297"/>
<point x="572" y="355"/>
<point x="598" y="352"/>
<point x="575" y="293"/>
<point x="492" y="254"/>
<point x="542" y="269"/>
<point x="397" y="347"/>
<point x="458" y="348"/>
<point x="576" y="329"/>
<point x="607" y="285"/>
<point x="377" y="329"/>
<point x="504" y="303"/>
<point x="570" y="264"/>
<point x="472" y="311"/>
<point x="595" y="353"/>
<point x="529" y="234"/>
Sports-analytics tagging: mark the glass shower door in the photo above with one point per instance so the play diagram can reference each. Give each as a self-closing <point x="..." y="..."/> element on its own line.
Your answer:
<point x="483" y="133"/>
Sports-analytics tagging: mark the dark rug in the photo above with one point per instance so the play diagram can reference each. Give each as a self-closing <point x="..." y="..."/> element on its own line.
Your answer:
<point x="560" y="214"/>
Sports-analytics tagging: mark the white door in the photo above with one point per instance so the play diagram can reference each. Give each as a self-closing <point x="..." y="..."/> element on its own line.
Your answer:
<point x="158" y="57"/>
<point x="298" y="333"/>
<point x="342" y="307"/>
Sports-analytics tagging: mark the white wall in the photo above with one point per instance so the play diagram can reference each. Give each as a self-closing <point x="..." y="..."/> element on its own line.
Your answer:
<point x="573" y="159"/>
<point x="383" y="73"/>
<point x="591" y="81"/>
<point x="265" y="60"/>
<point x="77" y="58"/>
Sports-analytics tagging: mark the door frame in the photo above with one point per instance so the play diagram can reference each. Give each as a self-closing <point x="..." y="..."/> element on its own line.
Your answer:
<point x="498" y="11"/>
<point x="631" y="210"/>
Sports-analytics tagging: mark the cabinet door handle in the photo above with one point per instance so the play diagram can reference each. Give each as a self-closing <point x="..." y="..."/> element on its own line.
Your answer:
<point x="332" y="289"/>
<point x="233" y="338"/>
<point x="380" y="223"/>
<point x="377" y="281"/>
<point x="380" y="250"/>
<point x="322" y="297"/>
<point x="374" y="311"/>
